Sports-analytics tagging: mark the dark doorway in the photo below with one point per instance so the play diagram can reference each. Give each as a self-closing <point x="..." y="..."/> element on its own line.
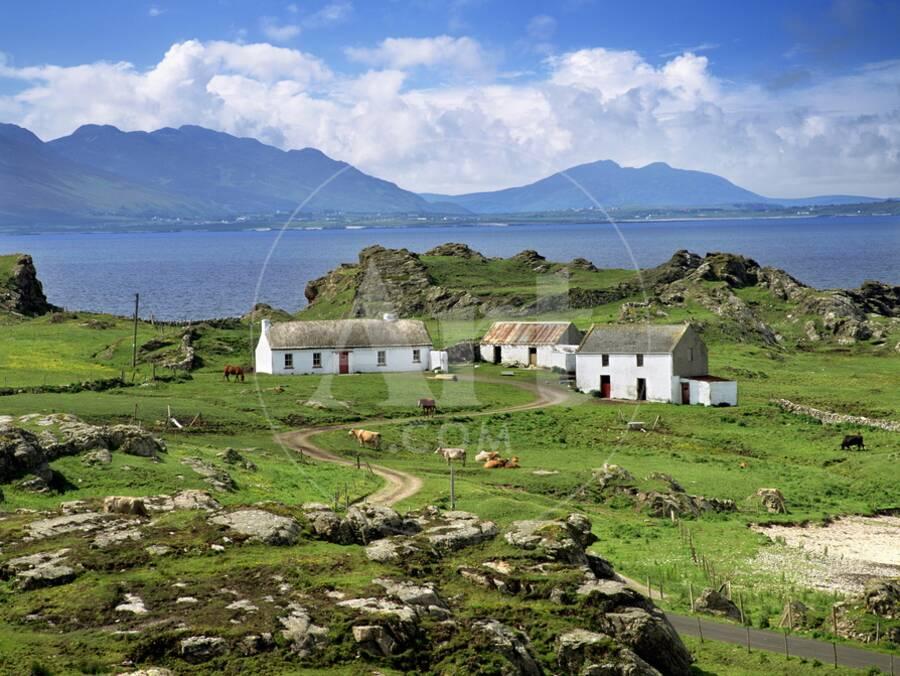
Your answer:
<point x="532" y="356"/>
<point x="605" y="387"/>
<point x="642" y="389"/>
<point x="498" y="354"/>
<point x="344" y="362"/>
<point x="685" y="393"/>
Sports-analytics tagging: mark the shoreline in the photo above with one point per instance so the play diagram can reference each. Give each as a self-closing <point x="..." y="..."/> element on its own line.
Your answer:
<point x="316" y="226"/>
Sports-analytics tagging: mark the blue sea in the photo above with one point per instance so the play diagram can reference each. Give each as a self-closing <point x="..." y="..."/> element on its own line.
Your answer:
<point x="195" y="275"/>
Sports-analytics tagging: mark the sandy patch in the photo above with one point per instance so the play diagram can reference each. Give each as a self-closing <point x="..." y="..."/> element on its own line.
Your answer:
<point x="842" y="556"/>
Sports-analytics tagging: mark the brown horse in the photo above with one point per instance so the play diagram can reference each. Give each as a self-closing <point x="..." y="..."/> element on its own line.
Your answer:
<point x="236" y="371"/>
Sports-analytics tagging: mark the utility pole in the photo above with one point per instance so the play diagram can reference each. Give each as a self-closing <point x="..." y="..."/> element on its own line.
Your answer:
<point x="452" y="487"/>
<point x="137" y="299"/>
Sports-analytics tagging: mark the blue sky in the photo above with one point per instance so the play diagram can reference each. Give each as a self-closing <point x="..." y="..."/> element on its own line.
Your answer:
<point x="784" y="98"/>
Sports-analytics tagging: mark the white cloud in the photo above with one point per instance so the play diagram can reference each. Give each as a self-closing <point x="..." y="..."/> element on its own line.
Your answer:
<point x="155" y="11"/>
<point x="463" y="53"/>
<point x="278" y="32"/>
<point x="332" y="13"/>
<point x="840" y="134"/>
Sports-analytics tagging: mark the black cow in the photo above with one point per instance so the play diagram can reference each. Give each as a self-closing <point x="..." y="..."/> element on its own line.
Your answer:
<point x="853" y="440"/>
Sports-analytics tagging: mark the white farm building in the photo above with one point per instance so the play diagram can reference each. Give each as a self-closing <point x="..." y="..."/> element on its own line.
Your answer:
<point x="343" y="346"/>
<point x="667" y="363"/>
<point x="540" y="344"/>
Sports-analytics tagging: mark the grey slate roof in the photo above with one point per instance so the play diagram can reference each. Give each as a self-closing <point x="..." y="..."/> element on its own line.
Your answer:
<point x="527" y="333"/>
<point x="632" y="338"/>
<point x="348" y="333"/>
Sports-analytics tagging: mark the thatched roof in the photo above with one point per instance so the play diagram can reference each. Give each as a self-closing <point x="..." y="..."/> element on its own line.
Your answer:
<point x="632" y="338"/>
<point x="531" y="333"/>
<point x="348" y="333"/>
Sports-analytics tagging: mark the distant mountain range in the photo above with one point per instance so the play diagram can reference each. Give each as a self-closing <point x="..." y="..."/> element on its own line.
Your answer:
<point x="607" y="184"/>
<point x="100" y="173"/>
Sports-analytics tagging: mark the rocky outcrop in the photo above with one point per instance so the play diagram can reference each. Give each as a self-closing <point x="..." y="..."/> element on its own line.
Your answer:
<point x="456" y="250"/>
<point x="44" y="569"/>
<point x="882" y="598"/>
<point x="831" y="418"/>
<point x="563" y="541"/>
<point x="21" y="292"/>
<point x="258" y="525"/>
<point x="511" y="644"/>
<point x="714" y="602"/>
<point x="217" y="478"/>
<point x="588" y="653"/>
<point x="302" y="635"/>
<point x="197" y="649"/>
<point x="21" y="454"/>
<point x="773" y="500"/>
<point x="362" y="524"/>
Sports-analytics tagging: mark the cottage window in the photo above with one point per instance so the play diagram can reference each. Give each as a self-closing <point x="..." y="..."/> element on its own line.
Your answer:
<point x="317" y="360"/>
<point x="604" y="360"/>
<point x="417" y="356"/>
<point x="382" y="358"/>
<point x="690" y="354"/>
<point x="288" y="360"/>
<point x="640" y="360"/>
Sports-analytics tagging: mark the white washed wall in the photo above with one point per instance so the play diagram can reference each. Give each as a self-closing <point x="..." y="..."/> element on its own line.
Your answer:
<point x="624" y="372"/>
<point x="362" y="360"/>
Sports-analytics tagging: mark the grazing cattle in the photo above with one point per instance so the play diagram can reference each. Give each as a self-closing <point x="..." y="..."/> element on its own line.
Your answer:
<point x="428" y="406"/>
<point x="366" y="438"/>
<point x="236" y="371"/>
<point x="512" y="463"/>
<point x="120" y="504"/>
<point x="853" y="440"/>
<point x="484" y="456"/>
<point x="452" y="454"/>
<point x="496" y="463"/>
<point x="743" y="465"/>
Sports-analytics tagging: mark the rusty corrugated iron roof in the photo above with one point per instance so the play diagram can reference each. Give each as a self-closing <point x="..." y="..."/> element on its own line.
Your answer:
<point x="528" y="333"/>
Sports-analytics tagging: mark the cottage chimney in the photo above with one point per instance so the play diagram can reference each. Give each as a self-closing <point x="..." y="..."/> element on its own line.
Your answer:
<point x="264" y="327"/>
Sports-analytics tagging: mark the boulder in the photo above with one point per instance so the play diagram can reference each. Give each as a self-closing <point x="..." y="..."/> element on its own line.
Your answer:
<point x="422" y="597"/>
<point x="391" y="550"/>
<point x="375" y="639"/>
<point x="613" y="476"/>
<point x="101" y="456"/>
<point x="132" y="603"/>
<point x="457" y="530"/>
<point x="773" y="500"/>
<point x="261" y="526"/>
<point x="196" y="649"/>
<point x="254" y="644"/>
<point x="513" y="645"/>
<point x="83" y="522"/>
<point x="558" y="540"/>
<point x="21" y="454"/>
<point x="366" y="522"/>
<point x="795" y="615"/>
<point x="882" y="598"/>
<point x="736" y="271"/>
<point x="133" y="440"/>
<point x="44" y="569"/>
<point x="651" y="636"/>
<point x="714" y="602"/>
<point x="382" y="607"/>
<point x="150" y="671"/>
<point x="589" y="653"/>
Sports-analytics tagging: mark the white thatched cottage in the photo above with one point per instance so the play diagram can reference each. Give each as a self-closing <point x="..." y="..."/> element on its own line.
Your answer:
<point x="541" y="344"/>
<point x="650" y="362"/>
<point x="343" y="346"/>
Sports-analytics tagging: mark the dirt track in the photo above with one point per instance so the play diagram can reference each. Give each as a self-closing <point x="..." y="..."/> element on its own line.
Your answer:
<point x="399" y="485"/>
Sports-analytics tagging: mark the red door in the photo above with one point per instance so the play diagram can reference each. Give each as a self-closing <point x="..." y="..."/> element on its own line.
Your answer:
<point x="685" y="393"/>
<point x="344" y="362"/>
<point x="605" y="387"/>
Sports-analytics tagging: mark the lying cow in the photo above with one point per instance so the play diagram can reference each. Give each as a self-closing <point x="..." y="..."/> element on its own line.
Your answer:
<point x="121" y="504"/>
<point x="484" y="456"/>
<point x="495" y="463"/>
<point x="853" y="440"/>
<point x="366" y="438"/>
<point x="450" y="454"/>
<point x="428" y="406"/>
<point x="512" y="463"/>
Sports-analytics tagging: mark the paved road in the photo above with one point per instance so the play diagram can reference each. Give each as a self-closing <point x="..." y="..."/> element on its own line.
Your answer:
<point x="401" y="485"/>
<point x="773" y="641"/>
